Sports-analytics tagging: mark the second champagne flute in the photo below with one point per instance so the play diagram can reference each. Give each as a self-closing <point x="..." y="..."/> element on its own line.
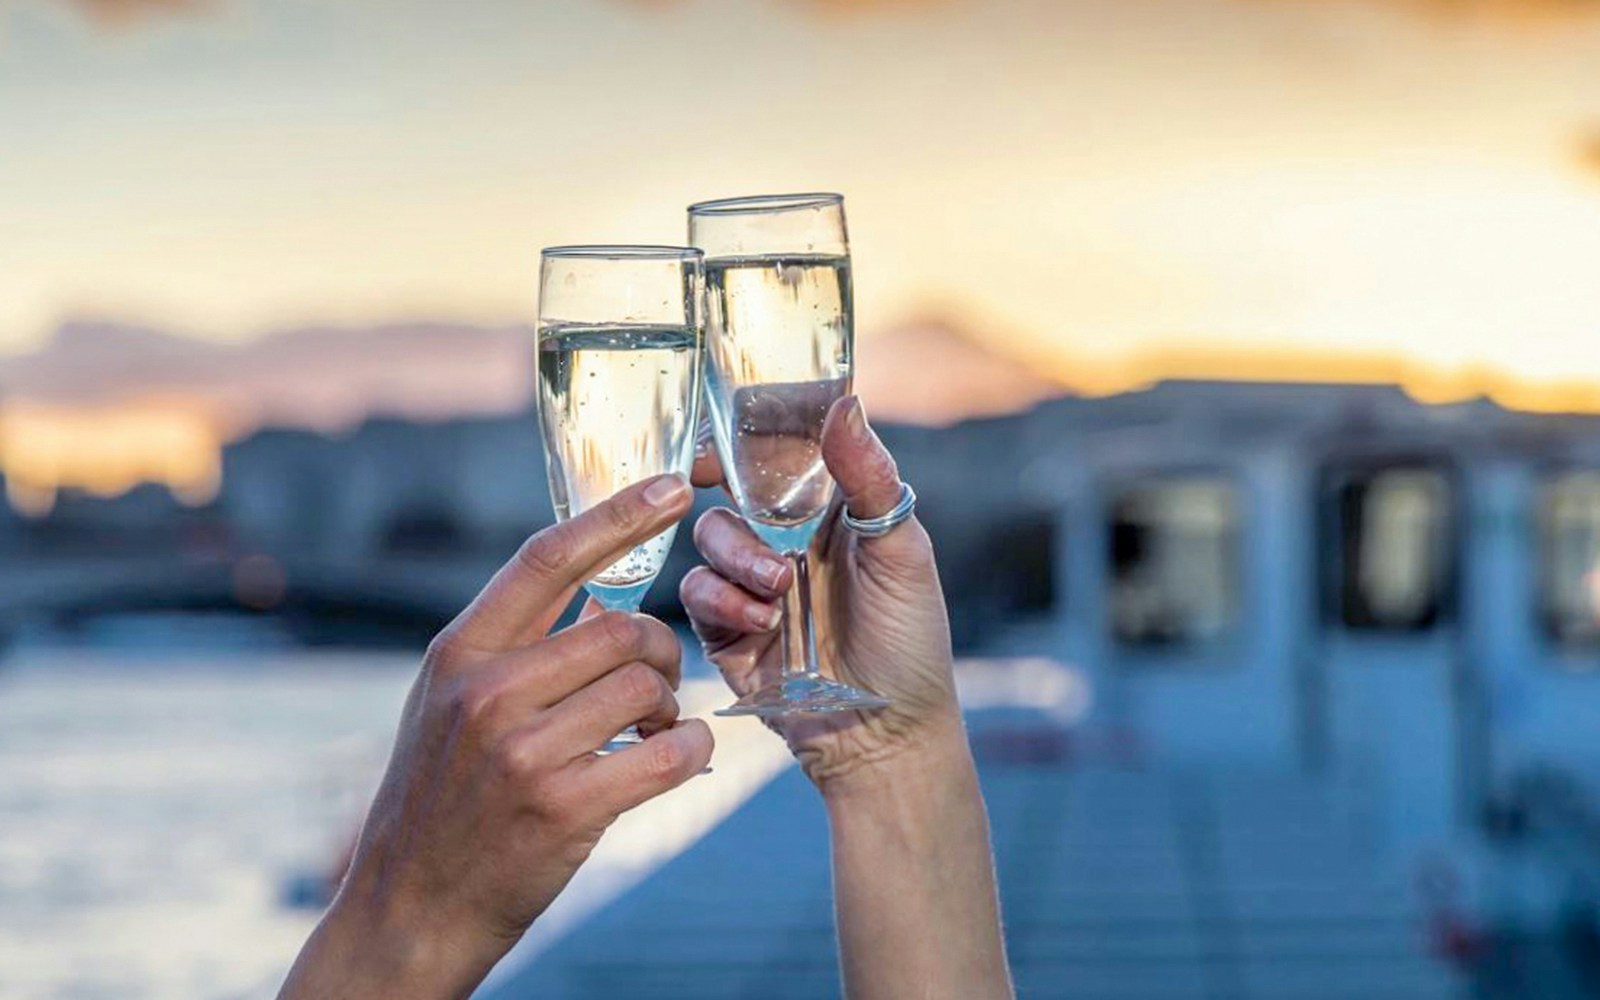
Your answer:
<point x="620" y="341"/>
<point x="778" y="354"/>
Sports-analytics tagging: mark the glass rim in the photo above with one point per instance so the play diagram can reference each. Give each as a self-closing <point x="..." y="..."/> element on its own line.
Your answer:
<point x="620" y="251"/>
<point x="766" y="203"/>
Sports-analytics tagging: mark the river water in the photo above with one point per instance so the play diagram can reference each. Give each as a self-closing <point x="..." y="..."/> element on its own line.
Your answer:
<point x="154" y="807"/>
<point x="157" y="800"/>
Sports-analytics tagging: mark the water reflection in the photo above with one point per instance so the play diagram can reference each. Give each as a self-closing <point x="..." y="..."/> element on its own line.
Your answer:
<point x="158" y="782"/>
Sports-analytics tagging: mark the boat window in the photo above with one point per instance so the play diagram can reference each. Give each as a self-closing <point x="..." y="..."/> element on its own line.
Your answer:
<point x="1174" y="549"/>
<point x="1569" y="571"/>
<point x="997" y="566"/>
<point x="1394" y="568"/>
<point x="1026" y="552"/>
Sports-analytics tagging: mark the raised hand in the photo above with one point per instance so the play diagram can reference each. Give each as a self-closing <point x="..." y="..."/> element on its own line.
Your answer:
<point x="493" y="797"/>
<point x="879" y="612"/>
<point x="913" y="873"/>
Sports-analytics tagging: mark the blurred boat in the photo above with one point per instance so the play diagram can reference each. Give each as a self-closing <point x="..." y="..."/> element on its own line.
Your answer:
<point x="1298" y="699"/>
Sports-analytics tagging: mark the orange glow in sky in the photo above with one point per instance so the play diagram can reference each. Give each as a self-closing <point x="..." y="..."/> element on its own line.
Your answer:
<point x="107" y="451"/>
<point x="1084" y="175"/>
<point x="1104" y="191"/>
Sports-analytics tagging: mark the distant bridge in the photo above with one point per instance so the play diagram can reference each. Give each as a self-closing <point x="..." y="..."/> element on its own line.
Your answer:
<point x="410" y="593"/>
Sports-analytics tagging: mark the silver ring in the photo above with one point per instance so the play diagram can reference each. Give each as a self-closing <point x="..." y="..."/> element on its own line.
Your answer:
<point x="877" y="527"/>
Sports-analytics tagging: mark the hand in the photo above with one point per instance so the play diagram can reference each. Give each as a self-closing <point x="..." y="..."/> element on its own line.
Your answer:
<point x="879" y="612"/>
<point x="493" y="796"/>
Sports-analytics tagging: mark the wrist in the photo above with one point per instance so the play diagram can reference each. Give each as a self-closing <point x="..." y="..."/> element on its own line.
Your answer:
<point x="362" y="951"/>
<point x="914" y="876"/>
<point x="935" y="756"/>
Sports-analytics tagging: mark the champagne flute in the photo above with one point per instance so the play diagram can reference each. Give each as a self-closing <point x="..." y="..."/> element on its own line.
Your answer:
<point x="620" y="341"/>
<point x="779" y="338"/>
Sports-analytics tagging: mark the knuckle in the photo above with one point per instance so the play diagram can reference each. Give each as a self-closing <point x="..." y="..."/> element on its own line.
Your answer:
<point x="556" y="806"/>
<point x="518" y="760"/>
<point x="640" y="685"/>
<point x="547" y="553"/>
<point x="621" y="517"/>
<point x="703" y="529"/>
<point x="729" y="604"/>
<point x="748" y="565"/>
<point x="711" y="531"/>
<point x="690" y="585"/>
<point x="623" y="632"/>
<point x="701" y="582"/>
<point x="442" y="650"/>
<point x="881" y="467"/>
<point x="471" y="705"/>
<point x="653" y="633"/>
<point x="666" y="759"/>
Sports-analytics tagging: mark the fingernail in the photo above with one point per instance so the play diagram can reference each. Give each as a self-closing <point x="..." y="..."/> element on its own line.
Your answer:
<point x="769" y="572"/>
<point x="858" y="420"/>
<point x="666" y="491"/>
<point x="762" y="617"/>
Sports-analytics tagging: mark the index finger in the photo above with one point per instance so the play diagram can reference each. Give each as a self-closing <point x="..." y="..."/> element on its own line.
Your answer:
<point x="618" y="782"/>
<point x="528" y="594"/>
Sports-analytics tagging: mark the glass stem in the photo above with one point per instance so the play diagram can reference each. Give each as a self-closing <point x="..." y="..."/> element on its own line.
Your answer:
<point x="799" y="648"/>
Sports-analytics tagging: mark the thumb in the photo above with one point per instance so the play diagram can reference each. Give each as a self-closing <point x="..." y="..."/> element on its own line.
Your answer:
<point x="867" y="476"/>
<point x="865" y="471"/>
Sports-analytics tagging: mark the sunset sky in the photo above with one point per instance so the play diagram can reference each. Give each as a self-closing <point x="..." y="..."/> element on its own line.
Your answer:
<point x="1075" y="179"/>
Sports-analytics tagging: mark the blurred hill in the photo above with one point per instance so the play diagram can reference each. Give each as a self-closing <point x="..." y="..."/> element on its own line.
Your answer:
<point x="934" y="372"/>
<point x="927" y="372"/>
<point x="104" y="406"/>
<point x="321" y="377"/>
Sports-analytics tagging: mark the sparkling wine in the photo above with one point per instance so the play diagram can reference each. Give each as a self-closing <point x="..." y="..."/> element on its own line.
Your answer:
<point x="778" y="341"/>
<point x="618" y="404"/>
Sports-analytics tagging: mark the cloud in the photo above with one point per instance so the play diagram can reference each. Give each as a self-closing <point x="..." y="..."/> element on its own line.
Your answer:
<point x="317" y="377"/>
<point x="118" y="13"/>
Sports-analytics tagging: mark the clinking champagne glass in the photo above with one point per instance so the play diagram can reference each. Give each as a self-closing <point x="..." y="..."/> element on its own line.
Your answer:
<point x="779" y="339"/>
<point x="620" y="344"/>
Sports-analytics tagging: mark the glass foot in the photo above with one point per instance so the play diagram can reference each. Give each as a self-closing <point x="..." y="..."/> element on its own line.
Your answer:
<point x="807" y="694"/>
<point x="627" y="738"/>
<point x="630" y="738"/>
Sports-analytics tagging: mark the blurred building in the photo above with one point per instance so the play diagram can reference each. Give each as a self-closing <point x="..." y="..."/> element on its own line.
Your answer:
<point x="10" y="521"/>
<point x="389" y="487"/>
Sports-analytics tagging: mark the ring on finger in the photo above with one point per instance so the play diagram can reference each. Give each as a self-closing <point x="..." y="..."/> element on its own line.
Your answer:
<point x="877" y="527"/>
